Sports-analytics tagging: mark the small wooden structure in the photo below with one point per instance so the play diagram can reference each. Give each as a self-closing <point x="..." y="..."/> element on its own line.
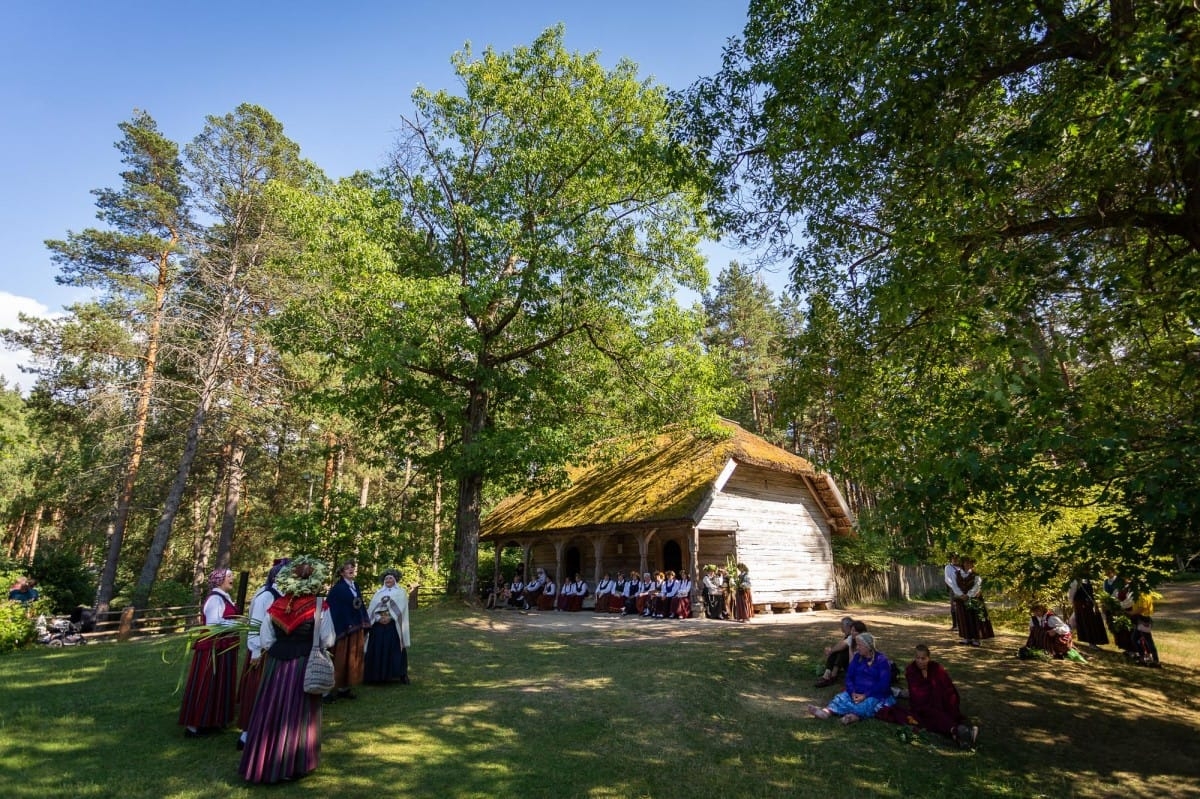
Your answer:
<point x="680" y="501"/>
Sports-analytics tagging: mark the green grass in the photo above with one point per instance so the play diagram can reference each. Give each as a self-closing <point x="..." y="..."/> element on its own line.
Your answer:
<point x="635" y="709"/>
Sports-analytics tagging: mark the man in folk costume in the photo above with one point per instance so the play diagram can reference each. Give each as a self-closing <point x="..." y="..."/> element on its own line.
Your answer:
<point x="348" y="610"/>
<point x="633" y="589"/>
<point x="211" y="689"/>
<point x="389" y="639"/>
<point x="516" y="591"/>
<point x="283" y="739"/>
<point x="251" y="668"/>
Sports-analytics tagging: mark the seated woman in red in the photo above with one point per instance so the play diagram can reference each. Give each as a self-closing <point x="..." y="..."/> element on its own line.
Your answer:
<point x="579" y="591"/>
<point x="548" y="598"/>
<point x="932" y="702"/>
<point x="681" y="603"/>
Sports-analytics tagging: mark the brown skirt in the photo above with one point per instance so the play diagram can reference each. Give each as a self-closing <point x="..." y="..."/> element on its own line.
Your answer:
<point x="347" y="656"/>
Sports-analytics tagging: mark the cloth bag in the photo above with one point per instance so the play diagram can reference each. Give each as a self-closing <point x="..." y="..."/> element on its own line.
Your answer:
<point x="318" y="673"/>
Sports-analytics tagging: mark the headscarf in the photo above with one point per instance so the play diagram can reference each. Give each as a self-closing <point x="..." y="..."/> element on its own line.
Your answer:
<point x="218" y="576"/>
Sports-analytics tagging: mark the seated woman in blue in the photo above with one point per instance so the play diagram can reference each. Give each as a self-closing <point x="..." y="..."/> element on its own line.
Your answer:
<point x="868" y="685"/>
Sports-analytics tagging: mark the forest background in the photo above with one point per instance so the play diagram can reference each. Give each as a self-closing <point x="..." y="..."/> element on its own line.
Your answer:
<point x="990" y="339"/>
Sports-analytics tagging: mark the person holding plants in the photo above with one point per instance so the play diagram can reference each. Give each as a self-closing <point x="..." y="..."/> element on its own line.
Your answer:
<point x="350" y="621"/>
<point x="868" y="685"/>
<point x="211" y="688"/>
<point x="933" y="702"/>
<point x="388" y="639"/>
<point x="283" y="739"/>
<point x="974" y="624"/>
<point x="743" y="607"/>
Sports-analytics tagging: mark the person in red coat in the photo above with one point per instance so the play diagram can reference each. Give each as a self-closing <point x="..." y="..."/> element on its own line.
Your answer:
<point x="933" y="702"/>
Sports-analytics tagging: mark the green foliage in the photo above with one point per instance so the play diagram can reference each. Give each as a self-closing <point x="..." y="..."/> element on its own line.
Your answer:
<point x="506" y="286"/>
<point x="868" y="550"/>
<point x="16" y="626"/>
<point x="1000" y="275"/>
<point x="171" y="594"/>
<point x="63" y="578"/>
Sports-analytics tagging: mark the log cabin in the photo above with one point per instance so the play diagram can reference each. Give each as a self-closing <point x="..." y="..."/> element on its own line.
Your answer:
<point x="682" y="500"/>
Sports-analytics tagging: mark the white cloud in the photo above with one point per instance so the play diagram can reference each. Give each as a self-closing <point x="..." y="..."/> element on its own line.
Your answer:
<point x="10" y="306"/>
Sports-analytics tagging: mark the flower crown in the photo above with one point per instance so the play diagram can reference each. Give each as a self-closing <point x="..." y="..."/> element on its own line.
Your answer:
<point x="304" y="576"/>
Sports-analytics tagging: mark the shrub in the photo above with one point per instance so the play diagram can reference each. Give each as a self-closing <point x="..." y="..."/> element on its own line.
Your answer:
<point x="63" y="579"/>
<point x="16" y="626"/>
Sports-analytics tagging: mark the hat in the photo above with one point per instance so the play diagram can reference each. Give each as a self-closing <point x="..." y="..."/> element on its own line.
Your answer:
<point x="394" y="572"/>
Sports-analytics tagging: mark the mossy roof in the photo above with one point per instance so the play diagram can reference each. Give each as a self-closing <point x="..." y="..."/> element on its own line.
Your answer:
<point x="658" y="479"/>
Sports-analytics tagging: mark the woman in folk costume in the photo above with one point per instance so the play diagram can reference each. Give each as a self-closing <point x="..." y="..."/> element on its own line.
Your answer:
<point x="714" y="593"/>
<point x="1089" y="623"/>
<point x="348" y="610"/>
<point x="283" y="739"/>
<point x="1048" y="632"/>
<point x="388" y="639"/>
<point x="604" y="591"/>
<point x="579" y="592"/>
<point x="743" y="604"/>
<point x="533" y="590"/>
<point x="566" y="593"/>
<point x="681" y="603"/>
<point x="974" y="624"/>
<point x="211" y="688"/>
<point x="616" y="597"/>
<point x="933" y="702"/>
<point x="549" y="595"/>
<point x="251" y="668"/>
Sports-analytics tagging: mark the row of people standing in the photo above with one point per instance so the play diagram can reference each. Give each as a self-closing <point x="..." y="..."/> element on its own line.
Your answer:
<point x="280" y="722"/>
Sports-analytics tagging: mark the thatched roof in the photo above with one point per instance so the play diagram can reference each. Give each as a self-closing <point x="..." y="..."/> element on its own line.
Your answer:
<point x="659" y="480"/>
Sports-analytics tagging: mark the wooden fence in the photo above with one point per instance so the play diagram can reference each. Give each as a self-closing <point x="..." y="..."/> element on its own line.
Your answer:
<point x="857" y="586"/>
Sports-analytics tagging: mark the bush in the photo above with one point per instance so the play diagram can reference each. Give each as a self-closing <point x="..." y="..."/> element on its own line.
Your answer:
<point x="63" y="579"/>
<point x="16" y="626"/>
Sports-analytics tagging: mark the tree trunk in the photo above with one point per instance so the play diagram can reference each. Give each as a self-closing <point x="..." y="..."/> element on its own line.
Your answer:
<point x="438" y="482"/>
<point x="233" y="495"/>
<point x="141" y="415"/>
<point x="203" y="548"/>
<point x="162" y="531"/>
<point x="470" y="502"/>
<point x="29" y="546"/>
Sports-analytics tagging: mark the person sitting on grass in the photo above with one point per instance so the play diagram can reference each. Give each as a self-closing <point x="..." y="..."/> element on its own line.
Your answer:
<point x="933" y="702"/>
<point x="868" y="685"/>
<point x="837" y="656"/>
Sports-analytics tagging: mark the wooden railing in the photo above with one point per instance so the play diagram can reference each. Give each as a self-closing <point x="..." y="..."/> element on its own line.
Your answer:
<point x="129" y="623"/>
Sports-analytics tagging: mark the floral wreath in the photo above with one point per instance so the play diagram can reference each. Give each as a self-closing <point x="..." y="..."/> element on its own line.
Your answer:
<point x="304" y="576"/>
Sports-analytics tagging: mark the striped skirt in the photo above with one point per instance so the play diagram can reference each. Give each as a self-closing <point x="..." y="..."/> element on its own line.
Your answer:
<point x="283" y="740"/>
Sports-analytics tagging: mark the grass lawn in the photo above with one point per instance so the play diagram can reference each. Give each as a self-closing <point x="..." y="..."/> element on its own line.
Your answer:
<point x="501" y="706"/>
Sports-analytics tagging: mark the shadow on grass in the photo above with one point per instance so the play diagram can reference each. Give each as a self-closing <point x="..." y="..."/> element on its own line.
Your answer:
<point x="616" y="711"/>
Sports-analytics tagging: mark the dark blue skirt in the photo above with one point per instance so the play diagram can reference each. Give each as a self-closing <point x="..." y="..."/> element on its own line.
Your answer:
<point x="385" y="659"/>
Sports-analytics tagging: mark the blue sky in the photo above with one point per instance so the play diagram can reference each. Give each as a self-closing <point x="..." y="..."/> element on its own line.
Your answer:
<point x="337" y="75"/>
